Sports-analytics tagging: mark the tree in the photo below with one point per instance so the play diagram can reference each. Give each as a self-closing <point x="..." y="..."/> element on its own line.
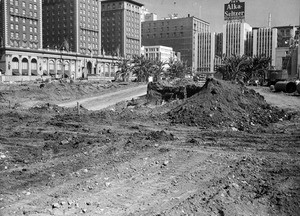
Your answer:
<point x="234" y="67"/>
<point x="257" y="67"/>
<point x="177" y="69"/>
<point x="142" y="68"/>
<point x="125" y="68"/>
<point x="158" y="70"/>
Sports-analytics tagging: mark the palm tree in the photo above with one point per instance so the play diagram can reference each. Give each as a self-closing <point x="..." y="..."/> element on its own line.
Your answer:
<point x="158" y="69"/>
<point x="234" y="67"/>
<point x="142" y="68"/>
<point x="177" y="69"/>
<point x="125" y="68"/>
<point x="257" y="67"/>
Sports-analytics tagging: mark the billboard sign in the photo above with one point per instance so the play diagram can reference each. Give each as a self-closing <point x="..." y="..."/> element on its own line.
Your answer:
<point x="234" y="10"/>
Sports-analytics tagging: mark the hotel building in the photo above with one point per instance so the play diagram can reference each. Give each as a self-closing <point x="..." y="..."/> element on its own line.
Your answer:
<point x="70" y="46"/>
<point x="73" y="25"/>
<point x="121" y="27"/>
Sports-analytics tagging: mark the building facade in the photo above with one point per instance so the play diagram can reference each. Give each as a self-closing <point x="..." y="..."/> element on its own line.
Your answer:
<point x="121" y="27"/>
<point x="160" y="53"/>
<point x="235" y="37"/>
<point x="205" y="54"/>
<point x="21" y="24"/>
<point x="72" y="25"/>
<point x="182" y="34"/>
<point x="264" y="43"/>
<point x="63" y="42"/>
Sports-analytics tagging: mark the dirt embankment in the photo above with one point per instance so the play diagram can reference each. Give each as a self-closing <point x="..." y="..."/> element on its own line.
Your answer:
<point x="145" y="159"/>
<point x="29" y="94"/>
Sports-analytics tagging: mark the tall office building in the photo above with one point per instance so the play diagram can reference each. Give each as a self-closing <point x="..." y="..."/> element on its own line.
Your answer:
<point x="206" y="52"/>
<point x="235" y="37"/>
<point x="265" y="43"/>
<point x="219" y="44"/>
<point x="182" y="34"/>
<point x="121" y="27"/>
<point x="73" y="25"/>
<point x="21" y="24"/>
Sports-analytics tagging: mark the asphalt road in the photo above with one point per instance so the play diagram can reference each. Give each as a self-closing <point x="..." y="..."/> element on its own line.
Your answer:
<point x="106" y="100"/>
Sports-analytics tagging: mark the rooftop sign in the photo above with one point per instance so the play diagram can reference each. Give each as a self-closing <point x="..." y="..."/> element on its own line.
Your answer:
<point x="234" y="10"/>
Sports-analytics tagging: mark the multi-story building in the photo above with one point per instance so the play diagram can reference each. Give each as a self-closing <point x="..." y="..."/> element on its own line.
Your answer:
<point x="264" y="42"/>
<point x="161" y="53"/>
<point x="20" y="28"/>
<point x="121" y="27"/>
<point x="21" y="24"/>
<point x="219" y="44"/>
<point x="71" y="45"/>
<point x="285" y="36"/>
<point x="73" y="25"/>
<point x="235" y="37"/>
<point x="182" y="34"/>
<point x="205" y="54"/>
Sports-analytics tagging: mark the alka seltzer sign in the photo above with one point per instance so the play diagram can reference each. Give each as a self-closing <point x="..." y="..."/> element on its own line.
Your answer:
<point x="234" y="10"/>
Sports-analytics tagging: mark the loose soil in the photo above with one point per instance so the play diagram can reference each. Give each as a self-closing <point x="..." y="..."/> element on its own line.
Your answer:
<point x="239" y="155"/>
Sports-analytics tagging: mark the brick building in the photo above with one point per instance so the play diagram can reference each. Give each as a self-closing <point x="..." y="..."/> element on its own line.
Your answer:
<point x="73" y="25"/>
<point x="121" y="27"/>
<point x="21" y="23"/>
<point x="182" y="34"/>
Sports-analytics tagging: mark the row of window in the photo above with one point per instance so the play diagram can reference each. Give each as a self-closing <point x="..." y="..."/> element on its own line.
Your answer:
<point x="88" y="6"/>
<point x="16" y="27"/>
<point x="162" y="29"/>
<point x="16" y="3"/>
<point x="88" y="33"/>
<point x="16" y="35"/>
<point x="161" y="35"/>
<point x="90" y="20"/>
<point x="95" y="40"/>
<point x="16" y="11"/>
<point x="88" y="13"/>
<point x="16" y="19"/>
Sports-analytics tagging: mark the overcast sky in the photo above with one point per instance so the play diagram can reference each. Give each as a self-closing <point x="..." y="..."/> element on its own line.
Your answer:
<point x="284" y="12"/>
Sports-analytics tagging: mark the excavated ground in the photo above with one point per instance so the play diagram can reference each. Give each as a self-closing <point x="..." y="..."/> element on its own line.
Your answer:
<point x="145" y="159"/>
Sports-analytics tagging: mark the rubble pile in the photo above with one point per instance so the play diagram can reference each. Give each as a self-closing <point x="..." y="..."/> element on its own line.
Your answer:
<point x="220" y="103"/>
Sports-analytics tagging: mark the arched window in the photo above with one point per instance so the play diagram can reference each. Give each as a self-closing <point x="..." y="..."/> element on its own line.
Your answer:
<point x="25" y="66"/>
<point x="34" y="67"/>
<point x="15" y="66"/>
<point x="51" y="68"/>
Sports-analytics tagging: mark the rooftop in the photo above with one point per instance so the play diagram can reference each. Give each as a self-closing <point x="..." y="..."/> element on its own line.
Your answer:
<point x="130" y="1"/>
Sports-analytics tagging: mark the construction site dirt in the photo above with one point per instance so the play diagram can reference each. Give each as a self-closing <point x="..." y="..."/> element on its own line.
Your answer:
<point x="225" y="150"/>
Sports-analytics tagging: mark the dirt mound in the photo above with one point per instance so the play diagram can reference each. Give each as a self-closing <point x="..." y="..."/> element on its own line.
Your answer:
<point x="221" y="103"/>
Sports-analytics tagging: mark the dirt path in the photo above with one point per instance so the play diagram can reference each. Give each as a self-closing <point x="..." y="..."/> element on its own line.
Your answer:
<point x="281" y="100"/>
<point x="106" y="100"/>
